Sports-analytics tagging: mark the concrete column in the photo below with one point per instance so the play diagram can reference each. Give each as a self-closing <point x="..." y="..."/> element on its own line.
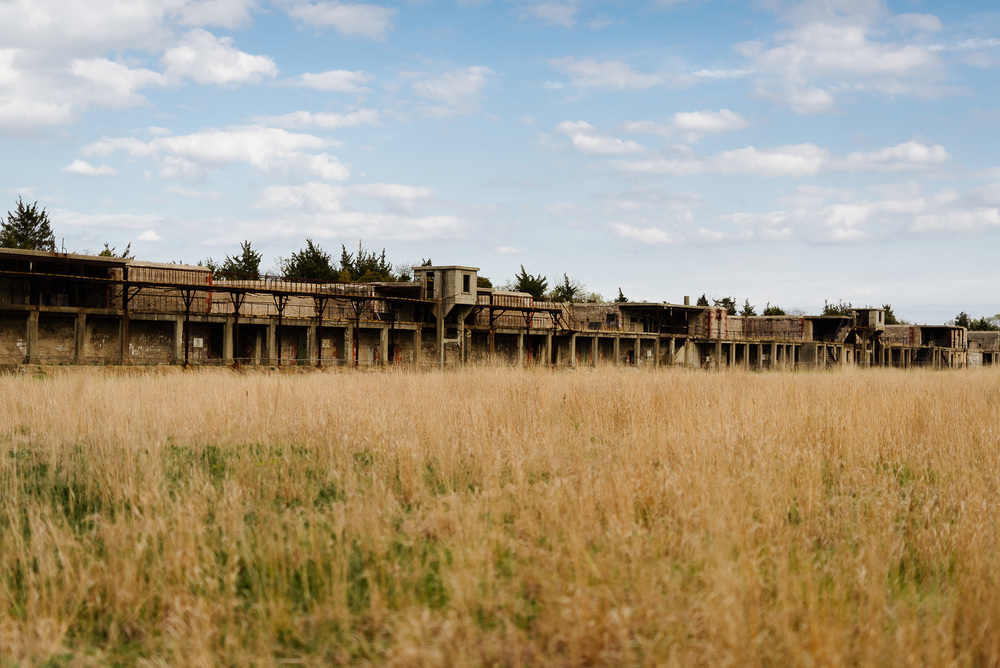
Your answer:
<point x="348" y="355"/>
<point x="774" y="356"/>
<point x="520" y="348"/>
<point x="572" y="350"/>
<point x="312" y="342"/>
<point x="746" y="355"/>
<point x="731" y="361"/>
<point x="227" y="342"/>
<point x="417" y="352"/>
<point x="548" y="348"/>
<point x="617" y="350"/>
<point x="656" y="352"/>
<point x="760" y="355"/>
<point x="31" y="335"/>
<point x="178" y="336"/>
<point x="80" y="340"/>
<point x="673" y="350"/>
<point x="272" y="345"/>
<point x="718" y="354"/>
<point x="439" y="311"/>
<point x="258" y="346"/>
<point x="593" y="350"/>
<point x="383" y="345"/>
<point x="638" y="351"/>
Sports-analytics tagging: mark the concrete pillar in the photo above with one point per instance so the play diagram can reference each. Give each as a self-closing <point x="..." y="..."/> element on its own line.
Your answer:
<point x="258" y="346"/>
<point x="417" y="351"/>
<point x="760" y="355"/>
<point x="593" y="350"/>
<point x="272" y="345"/>
<point x="572" y="350"/>
<point x="718" y="355"/>
<point x="178" y="336"/>
<point x="617" y="351"/>
<point x="774" y="356"/>
<point x="312" y="343"/>
<point x="638" y="351"/>
<point x="520" y="348"/>
<point x="439" y="311"/>
<point x="348" y="354"/>
<point x="731" y="355"/>
<point x="227" y="342"/>
<point x="80" y="340"/>
<point x="673" y="350"/>
<point x="31" y="335"/>
<point x="656" y="352"/>
<point x="383" y="345"/>
<point x="746" y="355"/>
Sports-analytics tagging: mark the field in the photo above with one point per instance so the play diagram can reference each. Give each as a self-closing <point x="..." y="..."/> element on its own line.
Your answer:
<point x="500" y="517"/>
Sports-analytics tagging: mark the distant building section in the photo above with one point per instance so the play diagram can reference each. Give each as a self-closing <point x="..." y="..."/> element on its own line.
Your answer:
<point x="58" y="308"/>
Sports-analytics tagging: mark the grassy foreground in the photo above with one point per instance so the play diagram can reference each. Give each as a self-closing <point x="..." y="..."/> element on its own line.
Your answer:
<point x="500" y="517"/>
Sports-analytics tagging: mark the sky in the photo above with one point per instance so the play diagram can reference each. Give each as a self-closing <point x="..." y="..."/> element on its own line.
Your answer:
<point x="781" y="152"/>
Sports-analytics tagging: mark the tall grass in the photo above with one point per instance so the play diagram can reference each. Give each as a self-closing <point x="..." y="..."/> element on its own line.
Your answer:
<point x="500" y="516"/>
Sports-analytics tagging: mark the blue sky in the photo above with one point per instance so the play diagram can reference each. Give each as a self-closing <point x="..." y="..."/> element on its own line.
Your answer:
<point x="784" y="152"/>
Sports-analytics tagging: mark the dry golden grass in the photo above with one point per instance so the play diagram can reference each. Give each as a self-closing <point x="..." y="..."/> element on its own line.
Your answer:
<point x="500" y="517"/>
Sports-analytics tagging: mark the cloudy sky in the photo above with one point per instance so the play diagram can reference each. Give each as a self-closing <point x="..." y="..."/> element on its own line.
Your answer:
<point x="783" y="151"/>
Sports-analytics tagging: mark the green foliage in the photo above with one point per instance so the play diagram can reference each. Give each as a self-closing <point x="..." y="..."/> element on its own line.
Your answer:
<point x="621" y="298"/>
<point x="109" y="251"/>
<point x="984" y="324"/>
<point x="246" y="265"/>
<point x="27" y="228"/>
<point x="364" y="266"/>
<point x="483" y="282"/>
<point x="533" y="285"/>
<point x="773" y="310"/>
<point x="890" y="317"/>
<point x="311" y="263"/>
<point x="702" y="301"/>
<point x="569" y="290"/>
<point x="748" y="309"/>
<point x="593" y="298"/>
<point x="841" y="308"/>
<point x="728" y="303"/>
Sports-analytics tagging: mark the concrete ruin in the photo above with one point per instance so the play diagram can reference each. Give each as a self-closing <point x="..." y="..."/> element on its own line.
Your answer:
<point x="58" y="308"/>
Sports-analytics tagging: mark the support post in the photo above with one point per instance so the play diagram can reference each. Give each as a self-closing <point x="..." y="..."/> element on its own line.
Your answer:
<point x="383" y="345"/>
<point x="417" y="346"/>
<point x="31" y="335"/>
<point x="227" y="342"/>
<point x="572" y="350"/>
<point x="80" y="340"/>
<point x="178" y="339"/>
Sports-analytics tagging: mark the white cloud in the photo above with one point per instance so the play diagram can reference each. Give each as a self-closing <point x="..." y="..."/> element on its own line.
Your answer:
<point x="608" y="75"/>
<point x="208" y="59"/>
<point x="350" y="19"/>
<point x="647" y="235"/>
<point x="84" y="168"/>
<point x="456" y="92"/>
<point x="586" y="139"/>
<point x="908" y="155"/>
<point x="149" y="235"/>
<point x="113" y="84"/>
<point x="323" y="120"/>
<point x="694" y="125"/>
<point x="821" y="55"/>
<point x="796" y="160"/>
<point x="561" y="14"/>
<point x="509" y="250"/>
<point x="267" y="149"/>
<point x="334" y="81"/>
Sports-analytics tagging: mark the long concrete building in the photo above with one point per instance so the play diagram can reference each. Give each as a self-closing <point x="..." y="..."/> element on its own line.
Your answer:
<point x="58" y="308"/>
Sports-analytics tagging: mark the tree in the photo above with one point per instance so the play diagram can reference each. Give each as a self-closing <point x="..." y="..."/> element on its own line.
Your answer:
<point x="890" y="317"/>
<point x="570" y="290"/>
<point x="962" y="320"/>
<point x="311" y="263"/>
<point x="840" y="308"/>
<point x="621" y="299"/>
<point x="533" y="285"/>
<point x="773" y="310"/>
<point x="702" y="301"/>
<point x="246" y="265"/>
<point x="365" y="266"/>
<point x="109" y="251"/>
<point x="27" y="229"/>
<point x="483" y="282"/>
<point x="748" y="309"/>
<point x="728" y="303"/>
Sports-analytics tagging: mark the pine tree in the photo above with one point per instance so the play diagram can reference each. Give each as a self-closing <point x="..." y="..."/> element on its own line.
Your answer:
<point x="27" y="229"/>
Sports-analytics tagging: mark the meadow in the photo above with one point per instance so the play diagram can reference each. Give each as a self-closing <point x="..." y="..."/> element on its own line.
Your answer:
<point x="492" y="516"/>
